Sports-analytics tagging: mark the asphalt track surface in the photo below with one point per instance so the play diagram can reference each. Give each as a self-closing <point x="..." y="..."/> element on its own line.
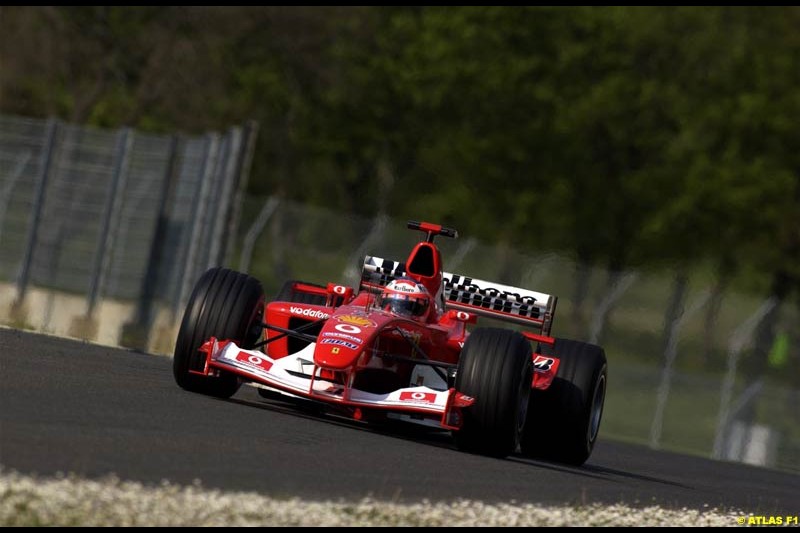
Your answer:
<point x="67" y="406"/>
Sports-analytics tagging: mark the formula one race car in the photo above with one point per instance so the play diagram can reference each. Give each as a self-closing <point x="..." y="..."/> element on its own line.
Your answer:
<point x="398" y="346"/>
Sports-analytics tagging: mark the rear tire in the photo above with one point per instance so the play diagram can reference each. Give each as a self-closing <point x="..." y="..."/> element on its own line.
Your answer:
<point x="564" y="420"/>
<point x="224" y="304"/>
<point x="494" y="368"/>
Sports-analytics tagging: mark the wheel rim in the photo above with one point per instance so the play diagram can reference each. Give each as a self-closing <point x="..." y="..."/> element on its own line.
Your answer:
<point x="597" y="408"/>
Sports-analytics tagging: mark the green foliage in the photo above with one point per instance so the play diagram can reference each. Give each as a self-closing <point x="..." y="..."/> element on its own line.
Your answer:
<point x="626" y="136"/>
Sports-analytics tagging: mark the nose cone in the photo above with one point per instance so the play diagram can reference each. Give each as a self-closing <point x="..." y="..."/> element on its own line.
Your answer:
<point x="342" y="340"/>
<point x="336" y="356"/>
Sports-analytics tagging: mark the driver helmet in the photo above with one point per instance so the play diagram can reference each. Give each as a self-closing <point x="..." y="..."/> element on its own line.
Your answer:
<point x="405" y="297"/>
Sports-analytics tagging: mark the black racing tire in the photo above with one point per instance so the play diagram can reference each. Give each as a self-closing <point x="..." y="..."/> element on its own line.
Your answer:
<point x="224" y="304"/>
<point x="564" y="420"/>
<point x="494" y="368"/>
<point x="286" y="294"/>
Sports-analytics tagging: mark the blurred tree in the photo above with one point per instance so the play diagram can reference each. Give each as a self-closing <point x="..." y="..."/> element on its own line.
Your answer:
<point x="730" y="162"/>
<point x="614" y="119"/>
<point x="481" y="84"/>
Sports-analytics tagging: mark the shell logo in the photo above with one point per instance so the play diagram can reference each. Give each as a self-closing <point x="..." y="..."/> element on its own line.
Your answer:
<point x="356" y="321"/>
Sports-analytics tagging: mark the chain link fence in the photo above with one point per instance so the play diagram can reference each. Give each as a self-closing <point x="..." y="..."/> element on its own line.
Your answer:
<point x="111" y="216"/>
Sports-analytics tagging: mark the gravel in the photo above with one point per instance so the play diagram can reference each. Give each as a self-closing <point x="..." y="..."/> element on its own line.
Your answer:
<point x="72" y="501"/>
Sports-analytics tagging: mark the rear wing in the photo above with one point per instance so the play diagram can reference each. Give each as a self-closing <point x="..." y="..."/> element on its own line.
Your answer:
<point x="484" y="298"/>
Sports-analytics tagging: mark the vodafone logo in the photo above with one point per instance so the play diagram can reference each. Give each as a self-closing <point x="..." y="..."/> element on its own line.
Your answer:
<point x="253" y="360"/>
<point x="424" y="397"/>
<point x="461" y="315"/>
<point x="310" y="313"/>
<point x="338" y="289"/>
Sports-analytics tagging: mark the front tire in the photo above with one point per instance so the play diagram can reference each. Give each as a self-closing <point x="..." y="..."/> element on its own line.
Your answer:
<point x="494" y="368"/>
<point x="224" y="304"/>
<point x="564" y="419"/>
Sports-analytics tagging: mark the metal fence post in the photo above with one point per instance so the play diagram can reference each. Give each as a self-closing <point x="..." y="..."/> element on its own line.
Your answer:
<point x="5" y="197"/>
<point x="670" y="354"/>
<point x="203" y="259"/>
<point x="244" y="160"/>
<point x="111" y="216"/>
<point x="45" y="167"/>
<point x="254" y="232"/>
<point x="739" y="339"/>
<point x="219" y="218"/>
<point x="351" y="271"/>
<point x="158" y="244"/>
<point x="601" y="312"/>
<point x="200" y="201"/>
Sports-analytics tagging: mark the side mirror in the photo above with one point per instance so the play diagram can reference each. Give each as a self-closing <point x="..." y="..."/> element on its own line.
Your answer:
<point x="338" y="294"/>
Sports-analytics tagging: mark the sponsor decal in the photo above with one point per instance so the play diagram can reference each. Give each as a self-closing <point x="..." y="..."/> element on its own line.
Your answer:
<point x="424" y="397"/>
<point x="462" y="290"/>
<point x="254" y="360"/>
<point x="310" y="313"/>
<point x="347" y="328"/>
<point x="405" y="286"/>
<point x="340" y="342"/>
<point x="339" y="289"/>
<point x="461" y="315"/>
<point x="542" y="363"/>
<point x="334" y="351"/>
<point x="342" y="336"/>
<point x="356" y="321"/>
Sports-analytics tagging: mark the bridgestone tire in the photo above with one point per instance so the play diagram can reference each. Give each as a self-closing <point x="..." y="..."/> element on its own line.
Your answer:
<point x="564" y="420"/>
<point x="224" y="304"/>
<point x="494" y="368"/>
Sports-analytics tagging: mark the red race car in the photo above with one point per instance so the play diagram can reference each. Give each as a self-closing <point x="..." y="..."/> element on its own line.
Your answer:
<point x="398" y="346"/>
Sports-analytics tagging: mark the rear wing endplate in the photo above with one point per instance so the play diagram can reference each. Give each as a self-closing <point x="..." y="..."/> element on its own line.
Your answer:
<point x="484" y="298"/>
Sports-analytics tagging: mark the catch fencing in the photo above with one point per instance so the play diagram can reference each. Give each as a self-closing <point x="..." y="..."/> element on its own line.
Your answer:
<point x="113" y="214"/>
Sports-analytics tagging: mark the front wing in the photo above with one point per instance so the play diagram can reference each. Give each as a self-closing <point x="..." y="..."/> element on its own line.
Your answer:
<point x="297" y="374"/>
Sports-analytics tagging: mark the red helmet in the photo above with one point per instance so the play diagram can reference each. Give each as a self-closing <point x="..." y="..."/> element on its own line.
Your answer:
<point x="405" y="297"/>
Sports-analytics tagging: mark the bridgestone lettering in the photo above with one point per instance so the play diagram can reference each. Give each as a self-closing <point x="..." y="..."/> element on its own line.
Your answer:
<point x="542" y="363"/>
